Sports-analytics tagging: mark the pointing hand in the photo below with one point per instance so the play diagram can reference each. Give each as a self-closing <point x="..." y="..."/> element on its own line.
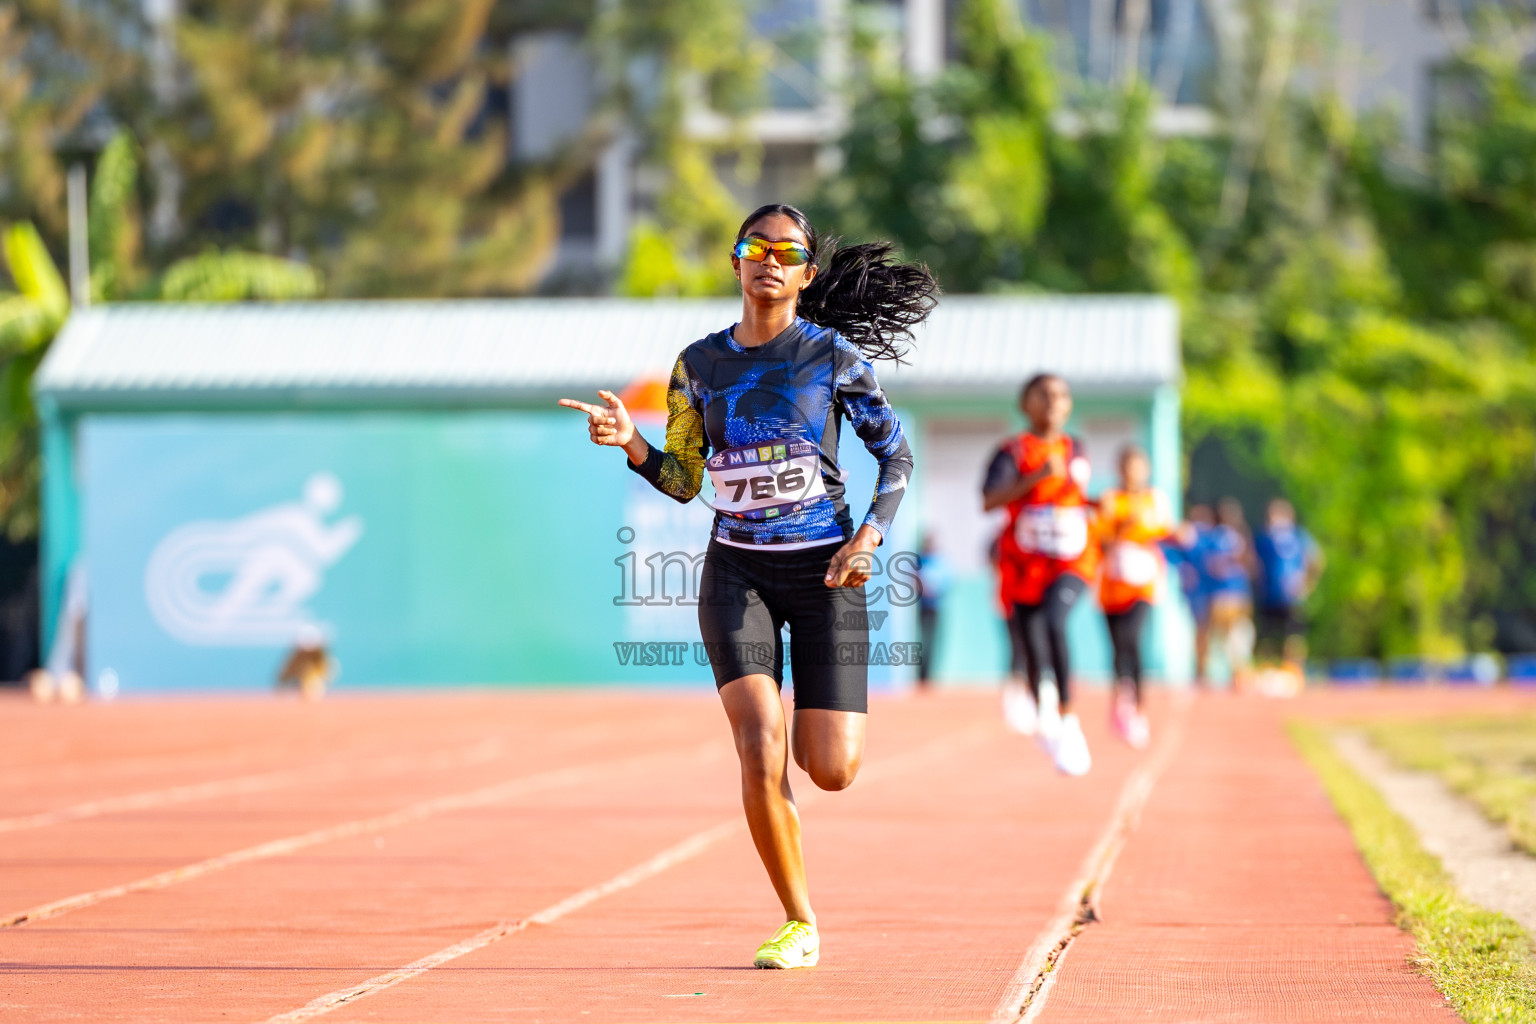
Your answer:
<point x="607" y="424"/>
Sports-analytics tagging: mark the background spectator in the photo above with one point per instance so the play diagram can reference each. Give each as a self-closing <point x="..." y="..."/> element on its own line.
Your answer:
<point x="1289" y="563"/>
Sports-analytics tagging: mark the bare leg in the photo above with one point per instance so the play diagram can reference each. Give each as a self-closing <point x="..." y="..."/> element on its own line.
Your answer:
<point x="1294" y="650"/>
<point x="829" y="745"/>
<point x="756" y="713"/>
<point x="1202" y="653"/>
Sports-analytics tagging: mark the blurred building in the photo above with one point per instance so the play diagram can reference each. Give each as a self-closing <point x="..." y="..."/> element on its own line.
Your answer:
<point x="395" y="479"/>
<point x="558" y="89"/>
<point x="1373" y="53"/>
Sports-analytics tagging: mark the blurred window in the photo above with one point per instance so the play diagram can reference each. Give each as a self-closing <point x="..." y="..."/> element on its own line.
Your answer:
<point x="552" y="95"/>
<point x="792" y="28"/>
<point x="1175" y="48"/>
<point x="578" y="210"/>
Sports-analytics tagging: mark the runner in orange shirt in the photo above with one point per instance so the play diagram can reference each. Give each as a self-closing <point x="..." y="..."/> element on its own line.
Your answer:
<point x="1131" y="522"/>
<point x="1041" y="477"/>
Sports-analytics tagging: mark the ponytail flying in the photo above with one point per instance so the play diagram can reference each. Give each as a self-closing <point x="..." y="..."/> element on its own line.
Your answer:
<point x="861" y="291"/>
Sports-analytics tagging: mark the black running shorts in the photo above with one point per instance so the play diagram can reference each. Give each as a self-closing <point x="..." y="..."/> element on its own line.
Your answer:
<point x="746" y="597"/>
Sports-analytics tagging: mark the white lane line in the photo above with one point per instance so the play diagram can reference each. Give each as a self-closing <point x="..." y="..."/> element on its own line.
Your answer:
<point x="475" y="754"/>
<point x="685" y="850"/>
<point x="1025" y="996"/>
<point x="241" y="785"/>
<point x="672" y="855"/>
<point x="255" y="757"/>
<point x="482" y="797"/>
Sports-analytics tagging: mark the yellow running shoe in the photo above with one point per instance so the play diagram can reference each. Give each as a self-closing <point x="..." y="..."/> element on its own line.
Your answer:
<point x="794" y="945"/>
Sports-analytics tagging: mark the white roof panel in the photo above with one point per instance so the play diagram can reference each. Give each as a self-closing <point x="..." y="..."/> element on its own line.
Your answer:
<point x="477" y="350"/>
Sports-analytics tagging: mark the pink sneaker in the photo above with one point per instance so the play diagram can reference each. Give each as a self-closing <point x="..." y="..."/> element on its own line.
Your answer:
<point x="1122" y="712"/>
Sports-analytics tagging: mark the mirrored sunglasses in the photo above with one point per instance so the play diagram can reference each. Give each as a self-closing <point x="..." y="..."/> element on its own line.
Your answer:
<point x="789" y="254"/>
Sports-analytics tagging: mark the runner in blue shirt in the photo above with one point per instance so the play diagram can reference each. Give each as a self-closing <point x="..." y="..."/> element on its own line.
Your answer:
<point x="1227" y="561"/>
<point x="1187" y="555"/>
<point x="758" y="407"/>
<point x="1289" y="564"/>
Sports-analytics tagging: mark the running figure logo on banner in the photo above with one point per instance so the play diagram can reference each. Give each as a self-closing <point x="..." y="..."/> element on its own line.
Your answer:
<point x="244" y="582"/>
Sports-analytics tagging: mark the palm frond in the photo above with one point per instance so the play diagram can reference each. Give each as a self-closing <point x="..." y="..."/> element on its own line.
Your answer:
<point x="24" y="324"/>
<point x="33" y="270"/>
<point x="114" y="226"/>
<point x="237" y="276"/>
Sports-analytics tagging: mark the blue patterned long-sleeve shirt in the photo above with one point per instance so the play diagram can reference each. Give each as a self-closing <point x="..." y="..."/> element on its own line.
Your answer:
<point x="754" y="417"/>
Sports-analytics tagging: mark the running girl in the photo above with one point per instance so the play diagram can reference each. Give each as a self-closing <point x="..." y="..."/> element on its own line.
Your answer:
<point x="759" y="406"/>
<point x="1188" y="553"/>
<point x="1041" y="477"/>
<point x="1229" y="567"/>
<point x="1132" y="520"/>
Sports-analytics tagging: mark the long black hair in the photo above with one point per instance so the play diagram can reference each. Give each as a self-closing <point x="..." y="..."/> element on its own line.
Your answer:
<point x="862" y="291"/>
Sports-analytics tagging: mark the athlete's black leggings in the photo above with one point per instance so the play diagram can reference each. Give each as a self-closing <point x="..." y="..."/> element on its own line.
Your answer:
<point x="1043" y="628"/>
<point x="1125" y="633"/>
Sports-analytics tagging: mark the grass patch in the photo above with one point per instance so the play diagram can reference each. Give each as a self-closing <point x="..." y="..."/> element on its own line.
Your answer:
<point x="1490" y="761"/>
<point x="1479" y="959"/>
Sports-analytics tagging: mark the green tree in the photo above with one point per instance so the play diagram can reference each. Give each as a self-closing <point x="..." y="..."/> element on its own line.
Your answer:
<point x="61" y="61"/>
<point x="1105" y="230"/>
<point x="892" y="181"/>
<point x="972" y="175"/>
<point x="1004" y="92"/>
<point x="1363" y="334"/>
<point x="29" y="318"/>
<point x="337" y="132"/>
<point x="666" y="62"/>
<point x="117" y="271"/>
<point x="325" y="132"/>
<point x="32" y="315"/>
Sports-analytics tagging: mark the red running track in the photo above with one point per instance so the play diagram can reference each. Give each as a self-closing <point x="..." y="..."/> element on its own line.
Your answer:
<point x="541" y="857"/>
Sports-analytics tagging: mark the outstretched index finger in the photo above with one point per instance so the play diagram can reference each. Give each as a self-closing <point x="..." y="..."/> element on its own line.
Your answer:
<point x="590" y="410"/>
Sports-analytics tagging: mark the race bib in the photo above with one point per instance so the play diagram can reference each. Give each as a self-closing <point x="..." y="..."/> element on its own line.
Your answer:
<point x="768" y="480"/>
<point x="1055" y="531"/>
<point x="1131" y="563"/>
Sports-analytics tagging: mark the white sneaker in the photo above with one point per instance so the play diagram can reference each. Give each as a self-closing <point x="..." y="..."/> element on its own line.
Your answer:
<point x="1138" y="731"/>
<point x="1050" y="718"/>
<point x="1070" y="752"/>
<point x="1019" y="712"/>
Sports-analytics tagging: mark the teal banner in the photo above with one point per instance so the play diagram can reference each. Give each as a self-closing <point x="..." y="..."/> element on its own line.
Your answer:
<point x="426" y="548"/>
